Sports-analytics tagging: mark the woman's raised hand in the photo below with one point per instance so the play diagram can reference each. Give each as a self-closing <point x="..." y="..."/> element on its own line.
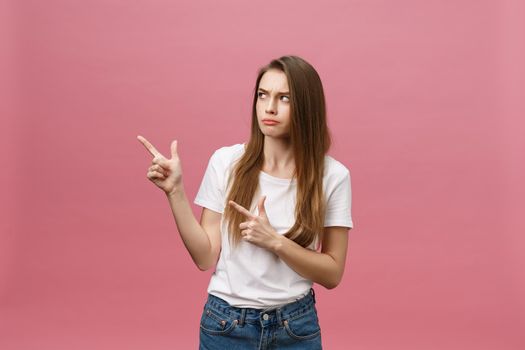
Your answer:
<point x="165" y="173"/>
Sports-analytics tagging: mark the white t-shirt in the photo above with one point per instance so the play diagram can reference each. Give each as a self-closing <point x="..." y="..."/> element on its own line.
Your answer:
<point x="251" y="276"/>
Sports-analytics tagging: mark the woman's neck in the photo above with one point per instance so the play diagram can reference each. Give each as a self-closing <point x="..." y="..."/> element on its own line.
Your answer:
<point x="278" y="156"/>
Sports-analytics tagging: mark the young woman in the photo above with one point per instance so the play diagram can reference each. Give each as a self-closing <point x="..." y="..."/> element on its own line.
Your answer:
<point x="269" y="205"/>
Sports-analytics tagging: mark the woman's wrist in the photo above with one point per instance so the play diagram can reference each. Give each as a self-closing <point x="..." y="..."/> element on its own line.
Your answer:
<point x="278" y="244"/>
<point x="176" y="192"/>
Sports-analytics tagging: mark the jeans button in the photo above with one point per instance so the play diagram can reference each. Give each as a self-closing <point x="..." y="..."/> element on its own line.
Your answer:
<point x="266" y="317"/>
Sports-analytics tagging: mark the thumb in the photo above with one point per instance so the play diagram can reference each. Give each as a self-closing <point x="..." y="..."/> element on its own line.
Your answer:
<point x="173" y="148"/>
<point x="262" y="211"/>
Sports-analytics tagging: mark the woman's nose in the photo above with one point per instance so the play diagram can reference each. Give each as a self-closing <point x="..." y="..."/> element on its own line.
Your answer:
<point x="271" y="107"/>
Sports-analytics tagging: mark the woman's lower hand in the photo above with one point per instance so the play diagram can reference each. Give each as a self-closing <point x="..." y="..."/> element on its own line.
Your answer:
<point x="257" y="229"/>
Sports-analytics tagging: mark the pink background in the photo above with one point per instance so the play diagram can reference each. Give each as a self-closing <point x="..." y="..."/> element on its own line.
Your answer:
<point x="426" y="104"/>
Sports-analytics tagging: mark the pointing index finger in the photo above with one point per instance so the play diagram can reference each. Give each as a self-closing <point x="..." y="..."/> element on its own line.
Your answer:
<point x="241" y="209"/>
<point x="149" y="146"/>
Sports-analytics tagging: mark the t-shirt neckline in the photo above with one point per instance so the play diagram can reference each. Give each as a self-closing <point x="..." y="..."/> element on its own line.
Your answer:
<point x="279" y="180"/>
<point x="271" y="178"/>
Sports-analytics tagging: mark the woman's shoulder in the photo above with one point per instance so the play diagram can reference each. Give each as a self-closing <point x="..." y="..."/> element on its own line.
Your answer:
<point x="334" y="169"/>
<point x="225" y="155"/>
<point x="230" y="150"/>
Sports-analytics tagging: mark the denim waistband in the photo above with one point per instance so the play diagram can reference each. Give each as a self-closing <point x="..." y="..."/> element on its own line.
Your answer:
<point x="269" y="314"/>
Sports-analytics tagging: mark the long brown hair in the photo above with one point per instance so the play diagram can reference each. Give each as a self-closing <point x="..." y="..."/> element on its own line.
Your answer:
<point x="310" y="140"/>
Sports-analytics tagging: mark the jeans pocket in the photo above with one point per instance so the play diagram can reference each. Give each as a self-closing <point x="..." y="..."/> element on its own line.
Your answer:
<point x="214" y="323"/>
<point x="304" y="326"/>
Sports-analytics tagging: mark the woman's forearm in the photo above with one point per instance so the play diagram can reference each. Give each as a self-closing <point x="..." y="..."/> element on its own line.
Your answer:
<point x="317" y="267"/>
<point x="193" y="235"/>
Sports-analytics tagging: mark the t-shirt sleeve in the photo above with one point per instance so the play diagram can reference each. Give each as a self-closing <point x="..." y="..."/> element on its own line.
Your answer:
<point x="339" y="203"/>
<point x="210" y="193"/>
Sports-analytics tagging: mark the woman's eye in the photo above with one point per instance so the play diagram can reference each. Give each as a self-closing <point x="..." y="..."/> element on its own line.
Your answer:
<point x="262" y="95"/>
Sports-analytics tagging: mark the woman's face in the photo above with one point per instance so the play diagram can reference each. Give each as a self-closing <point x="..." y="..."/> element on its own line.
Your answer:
<point x="273" y="103"/>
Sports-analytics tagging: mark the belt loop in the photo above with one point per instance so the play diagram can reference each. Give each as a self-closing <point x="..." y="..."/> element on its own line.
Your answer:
<point x="279" y="316"/>
<point x="313" y="294"/>
<point x="243" y="316"/>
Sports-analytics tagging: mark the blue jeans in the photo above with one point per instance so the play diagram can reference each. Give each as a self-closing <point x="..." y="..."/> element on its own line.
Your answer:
<point x="291" y="326"/>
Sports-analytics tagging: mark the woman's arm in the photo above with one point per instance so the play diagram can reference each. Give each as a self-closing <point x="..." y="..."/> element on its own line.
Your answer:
<point x="201" y="240"/>
<point x="325" y="267"/>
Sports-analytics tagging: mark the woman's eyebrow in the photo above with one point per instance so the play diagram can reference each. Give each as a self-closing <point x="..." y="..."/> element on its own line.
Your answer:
<point x="280" y="93"/>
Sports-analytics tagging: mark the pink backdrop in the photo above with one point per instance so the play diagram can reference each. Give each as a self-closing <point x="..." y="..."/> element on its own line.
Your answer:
<point x="426" y="106"/>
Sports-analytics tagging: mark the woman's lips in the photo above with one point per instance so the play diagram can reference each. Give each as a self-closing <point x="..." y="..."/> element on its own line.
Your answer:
<point x="270" y="122"/>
